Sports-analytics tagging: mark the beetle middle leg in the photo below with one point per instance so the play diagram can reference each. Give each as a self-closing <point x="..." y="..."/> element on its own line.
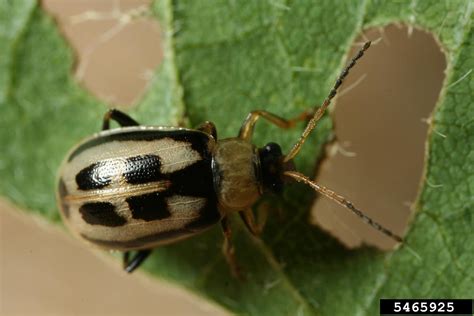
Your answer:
<point x="246" y="130"/>
<point x="229" y="250"/>
<point x="255" y="226"/>
<point x="137" y="260"/>
<point x="118" y="116"/>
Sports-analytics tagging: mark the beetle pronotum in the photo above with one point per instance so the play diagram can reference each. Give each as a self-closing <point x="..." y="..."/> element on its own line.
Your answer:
<point x="139" y="187"/>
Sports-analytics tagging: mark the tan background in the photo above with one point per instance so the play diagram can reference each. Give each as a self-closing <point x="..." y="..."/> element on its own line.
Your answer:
<point x="377" y="162"/>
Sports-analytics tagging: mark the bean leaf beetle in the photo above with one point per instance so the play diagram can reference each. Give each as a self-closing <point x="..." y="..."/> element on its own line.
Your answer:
<point x="136" y="187"/>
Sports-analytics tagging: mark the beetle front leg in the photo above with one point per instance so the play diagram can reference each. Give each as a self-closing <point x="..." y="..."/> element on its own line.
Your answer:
<point x="208" y="128"/>
<point x="229" y="250"/>
<point x="118" y="116"/>
<point x="137" y="260"/>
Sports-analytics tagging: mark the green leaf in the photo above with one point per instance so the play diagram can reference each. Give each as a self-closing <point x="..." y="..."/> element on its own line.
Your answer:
<point x="224" y="59"/>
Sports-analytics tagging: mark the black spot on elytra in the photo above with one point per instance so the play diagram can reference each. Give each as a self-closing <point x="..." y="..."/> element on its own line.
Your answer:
<point x="149" y="207"/>
<point x="194" y="180"/>
<point x="93" y="177"/>
<point x="143" y="169"/>
<point x="101" y="213"/>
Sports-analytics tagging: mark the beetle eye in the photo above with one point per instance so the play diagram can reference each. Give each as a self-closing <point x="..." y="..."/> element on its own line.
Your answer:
<point x="273" y="149"/>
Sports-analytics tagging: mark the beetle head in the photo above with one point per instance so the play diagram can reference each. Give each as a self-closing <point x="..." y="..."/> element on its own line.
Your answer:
<point x="272" y="166"/>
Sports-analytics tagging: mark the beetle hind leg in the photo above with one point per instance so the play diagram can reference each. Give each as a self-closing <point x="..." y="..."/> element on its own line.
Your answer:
<point x="118" y="116"/>
<point x="136" y="261"/>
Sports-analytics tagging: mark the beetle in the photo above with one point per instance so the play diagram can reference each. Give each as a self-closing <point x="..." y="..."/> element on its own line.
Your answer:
<point x="136" y="187"/>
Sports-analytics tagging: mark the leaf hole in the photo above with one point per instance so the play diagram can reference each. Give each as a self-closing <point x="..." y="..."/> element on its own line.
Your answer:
<point x="117" y="46"/>
<point x="381" y="123"/>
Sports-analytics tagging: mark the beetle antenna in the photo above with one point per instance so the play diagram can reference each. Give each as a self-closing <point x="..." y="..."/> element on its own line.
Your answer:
<point x="319" y="113"/>
<point x="342" y="201"/>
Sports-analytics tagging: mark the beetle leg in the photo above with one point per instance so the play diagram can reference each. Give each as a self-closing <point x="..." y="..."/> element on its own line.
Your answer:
<point x="125" y="259"/>
<point x="118" y="116"/>
<point x="208" y="128"/>
<point x="255" y="226"/>
<point x="137" y="260"/>
<point x="249" y="220"/>
<point x="246" y="130"/>
<point x="229" y="250"/>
